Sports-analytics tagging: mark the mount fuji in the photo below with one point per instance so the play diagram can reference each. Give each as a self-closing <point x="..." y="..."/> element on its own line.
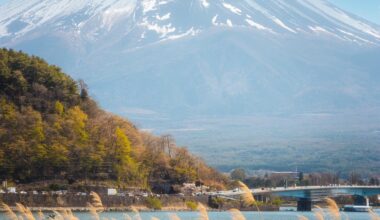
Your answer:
<point x="243" y="83"/>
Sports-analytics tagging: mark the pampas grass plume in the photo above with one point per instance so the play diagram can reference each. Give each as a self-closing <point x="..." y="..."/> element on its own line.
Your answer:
<point x="236" y="214"/>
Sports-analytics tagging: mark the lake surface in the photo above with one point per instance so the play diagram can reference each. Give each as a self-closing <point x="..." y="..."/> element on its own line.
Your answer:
<point x="220" y="215"/>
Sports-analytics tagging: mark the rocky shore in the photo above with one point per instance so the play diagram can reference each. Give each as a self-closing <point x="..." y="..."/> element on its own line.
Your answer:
<point x="79" y="203"/>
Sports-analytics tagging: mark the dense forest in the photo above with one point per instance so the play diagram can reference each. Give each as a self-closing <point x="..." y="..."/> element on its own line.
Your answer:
<point x="51" y="129"/>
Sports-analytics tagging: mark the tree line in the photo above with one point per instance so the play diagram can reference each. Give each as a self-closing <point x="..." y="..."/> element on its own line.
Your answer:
<point x="51" y="129"/>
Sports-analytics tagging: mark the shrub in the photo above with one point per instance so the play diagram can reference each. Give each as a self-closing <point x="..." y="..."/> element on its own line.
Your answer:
<point x="215" y="202"/>
<point x="56" y="187"/>
<point x="191" y="205"/>
<point x="154" y="203"/>
<point x="258" y="203"/>
<point x="277" y="201"/>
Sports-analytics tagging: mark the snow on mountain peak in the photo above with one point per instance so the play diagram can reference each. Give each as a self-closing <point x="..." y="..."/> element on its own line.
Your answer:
<point x="331" y="13"/>
<point x="205" y="3"/>
<point x="165" y="18"/>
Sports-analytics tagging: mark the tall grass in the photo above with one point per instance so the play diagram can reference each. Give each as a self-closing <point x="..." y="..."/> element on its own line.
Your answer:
<point x="319" y="214"/>
<point x="173" y="216"/>
<point x="333" y="209"/>
<point x="96" y="201"/>
<point x="136" y="213"/>
<point x="301" y="217"/>
<point x="373" y="215"/>
<point x="67" y="214"/>
<point x="58" y="216"/>
<point x="202" y="212"/>
<point x="127" y="217"/>
<point x="9" y="213"/>
<point x="96" y="206"/>
<point x="248" y="198"/>
<point x="25" y="212"/>
<point x="40" y="215"/>
<point x="236" y="214"/>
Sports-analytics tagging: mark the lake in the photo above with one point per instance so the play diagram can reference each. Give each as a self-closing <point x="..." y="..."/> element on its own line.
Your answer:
<point x="283" y="215"/>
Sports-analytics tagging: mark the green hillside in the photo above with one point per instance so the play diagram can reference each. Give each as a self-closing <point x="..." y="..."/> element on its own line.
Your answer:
<point x="51" y="129"/>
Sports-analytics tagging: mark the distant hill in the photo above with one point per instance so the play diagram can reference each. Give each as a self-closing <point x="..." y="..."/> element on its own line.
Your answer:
<point x="51" y="129"/>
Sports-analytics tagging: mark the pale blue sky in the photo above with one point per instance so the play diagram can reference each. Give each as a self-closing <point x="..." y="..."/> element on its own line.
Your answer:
<point x="369" y="9"/>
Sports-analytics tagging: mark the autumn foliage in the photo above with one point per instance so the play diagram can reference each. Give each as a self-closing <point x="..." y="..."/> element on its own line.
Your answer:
<point x="51" y="129"/>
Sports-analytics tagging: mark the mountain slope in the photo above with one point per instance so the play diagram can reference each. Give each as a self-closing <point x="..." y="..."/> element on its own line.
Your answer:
<point x="247" y="74"/>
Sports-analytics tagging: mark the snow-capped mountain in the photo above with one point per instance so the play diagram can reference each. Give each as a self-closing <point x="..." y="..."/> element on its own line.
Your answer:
<point x="173" y="19"/>
<point x="251" y="71"/>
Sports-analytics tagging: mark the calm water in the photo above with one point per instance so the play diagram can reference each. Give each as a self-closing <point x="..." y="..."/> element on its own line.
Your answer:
<point x="222" y="215"/>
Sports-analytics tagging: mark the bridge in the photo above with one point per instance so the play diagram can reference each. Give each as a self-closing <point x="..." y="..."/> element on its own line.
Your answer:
<point x="308" y="194"/>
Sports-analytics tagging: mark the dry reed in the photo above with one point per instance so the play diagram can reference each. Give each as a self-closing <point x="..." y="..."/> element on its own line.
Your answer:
<point x="60" y="201"/>
<point x="8" y="212"/>
<point x="58" y="216"/>
<point x="173" y="216"/>
<point x="68" y="215"/>
<point x="247" y="196"/>
<point x="20" y="208"/>
<point x="95" y="206"/>
<point x="373" y="215"/>
<point x="137" y="213"/>
<point x="301" y="217"/>
<point x="96" y="201"/>
<point x="333" y="209"/>
<point x="319" y="214"/>
<point x="202" y="212"/>
<point x="236" y="214"/>
<point x="24" y="211"/>
<point x="93" y="212"/>
<point x="127" y="217"/>
<point x="40" y="215"/>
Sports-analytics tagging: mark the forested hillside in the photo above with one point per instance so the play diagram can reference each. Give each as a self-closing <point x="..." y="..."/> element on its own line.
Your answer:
<point x="51" y="129"/>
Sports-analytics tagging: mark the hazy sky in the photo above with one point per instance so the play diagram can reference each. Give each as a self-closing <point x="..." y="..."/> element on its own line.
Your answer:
<point x="369" y="9"/>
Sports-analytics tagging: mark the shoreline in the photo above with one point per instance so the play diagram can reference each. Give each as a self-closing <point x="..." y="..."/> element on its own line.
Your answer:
<point x="122" y="209"/>
<point x="134" y="208"/>
<point x="108" y="209"/>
